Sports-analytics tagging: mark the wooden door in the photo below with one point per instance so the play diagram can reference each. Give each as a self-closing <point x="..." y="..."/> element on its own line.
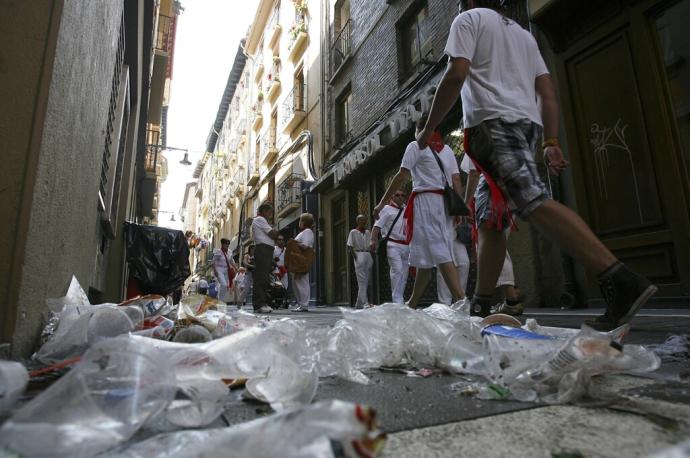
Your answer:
<point x="630" y="182"/>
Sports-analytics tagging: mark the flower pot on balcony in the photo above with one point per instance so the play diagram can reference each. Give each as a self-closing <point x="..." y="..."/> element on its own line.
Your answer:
<point x="298" y="46"/>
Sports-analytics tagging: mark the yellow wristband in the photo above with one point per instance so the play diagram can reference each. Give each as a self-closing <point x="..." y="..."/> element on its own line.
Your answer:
<point x="550" y="142"/>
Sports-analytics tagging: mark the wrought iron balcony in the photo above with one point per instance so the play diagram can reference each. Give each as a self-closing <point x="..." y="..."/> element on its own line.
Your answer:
<point x="294" y="108"/>
<point x="289" y="194"/>
<point x="341" y="48"/>
<point x="238" y="180"/>
<point x="252" y="171"/>
<point x="268" y="147"/>
<point x="273" y="28"/>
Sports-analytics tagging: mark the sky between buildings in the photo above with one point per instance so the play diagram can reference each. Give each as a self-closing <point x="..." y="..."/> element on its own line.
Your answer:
<point x="208" y="34"/>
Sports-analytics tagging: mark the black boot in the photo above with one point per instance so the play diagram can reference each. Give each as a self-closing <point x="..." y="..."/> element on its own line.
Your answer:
<point x="480" y="306"/>
<point x="625" y="292"/>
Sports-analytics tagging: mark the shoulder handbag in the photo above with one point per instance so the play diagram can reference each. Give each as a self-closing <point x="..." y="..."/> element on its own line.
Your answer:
<point x="383" y="243"/>
<point x="455" y="205"/>
<point x="296" y="259"/>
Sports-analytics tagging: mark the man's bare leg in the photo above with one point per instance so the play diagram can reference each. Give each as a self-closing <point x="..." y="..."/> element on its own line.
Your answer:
<point x="450" y="276"/>
<point x="421" y="281"/>
<point x="491" y="254"/>
<point x="571" y="233"/>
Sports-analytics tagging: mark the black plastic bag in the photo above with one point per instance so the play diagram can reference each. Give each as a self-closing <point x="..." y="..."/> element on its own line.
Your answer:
<point x="158" y="258"/>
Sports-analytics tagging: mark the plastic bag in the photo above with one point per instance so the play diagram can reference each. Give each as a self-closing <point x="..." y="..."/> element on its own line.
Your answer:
<point x="157" y="257"/>
<point x="324" y="429"/>
<point x="13" y="381"/>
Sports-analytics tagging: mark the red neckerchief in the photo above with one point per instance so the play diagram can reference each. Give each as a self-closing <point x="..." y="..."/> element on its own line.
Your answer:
<point x="392" y="204"/>
<point x="499" y="205"/>
<point x="436" y="142"/>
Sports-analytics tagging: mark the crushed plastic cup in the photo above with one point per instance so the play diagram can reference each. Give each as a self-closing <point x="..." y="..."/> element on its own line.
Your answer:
<point x="193" y="334"/>
<point x="100" y="403"/>
<point x="323" y="429"/>
<point x="13" y="380"/>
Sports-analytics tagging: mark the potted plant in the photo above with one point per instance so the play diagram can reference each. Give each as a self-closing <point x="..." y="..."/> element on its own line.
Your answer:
<point x="260" y="96"/>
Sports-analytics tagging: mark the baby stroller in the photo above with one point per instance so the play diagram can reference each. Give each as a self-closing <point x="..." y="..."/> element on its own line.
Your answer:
<point x="277" y="293"/>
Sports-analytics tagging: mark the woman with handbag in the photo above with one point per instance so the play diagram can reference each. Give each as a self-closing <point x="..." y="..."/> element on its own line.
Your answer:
<point x="300" y="280"/>
<point x="430" y="211"/>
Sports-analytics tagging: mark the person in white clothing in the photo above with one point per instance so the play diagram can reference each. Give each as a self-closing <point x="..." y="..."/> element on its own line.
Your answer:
<point x="224" y="268"/>
<point x="300" y="281"/>
<point x="397" y="251"/>
<point x="358" y="245"/>
<point x="509" y="104"/>
<point x="462" y="268"/>
<point x="264" y="236"/>
<point x="429" y="227"/>
<point x="279" y="259"/>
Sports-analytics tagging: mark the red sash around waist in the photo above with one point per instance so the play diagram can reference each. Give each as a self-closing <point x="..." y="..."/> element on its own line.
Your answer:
<point x="408" y="215"/>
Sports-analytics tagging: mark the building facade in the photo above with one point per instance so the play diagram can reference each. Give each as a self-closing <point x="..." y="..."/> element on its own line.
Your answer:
<point x="76" y="89"/>
<point x="266" y="141"/>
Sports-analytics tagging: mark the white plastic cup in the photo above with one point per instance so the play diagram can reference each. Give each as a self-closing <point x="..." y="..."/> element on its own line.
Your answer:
<point x="13" y="380"/>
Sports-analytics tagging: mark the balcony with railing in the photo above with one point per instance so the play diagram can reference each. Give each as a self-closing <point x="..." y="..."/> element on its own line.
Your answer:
<point x="273" y="80"/>
<point x="294" y="108"/>
<point x="163" y="34"/>
<point x="341" y="48"/>
<point x="273" y="27"/>
<point x="269" y="151"/>
<point x="252" y="171"/>
<point x="257" y="114"/>
<point x="289" y="194"/>
<point x="237" y="184"/>
<point x="298" y="33"/>
<point x="258" y="66"/>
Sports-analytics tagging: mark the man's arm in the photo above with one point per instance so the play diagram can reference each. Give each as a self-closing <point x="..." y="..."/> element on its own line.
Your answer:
<point x="457" y="184"/>
<point x="375" y="232"/>
<point x="400" y="178"/>
<point x="548" y="105"/>
<point x="446" y="95"/>
<point x="472" y="181"/>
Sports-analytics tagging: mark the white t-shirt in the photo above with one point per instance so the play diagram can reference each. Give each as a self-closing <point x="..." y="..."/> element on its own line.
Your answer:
<point x="426" y="174"/>
<point x="260" y="230"/>
<point x="386" y="218"/>
<point x="280" y="254"/>
<point x="359" y="241"/>
<point x="467" y="165"/>
<point x="306" y="237"/>
<point x="219" y="260"/>
<point x="505" y="61"/>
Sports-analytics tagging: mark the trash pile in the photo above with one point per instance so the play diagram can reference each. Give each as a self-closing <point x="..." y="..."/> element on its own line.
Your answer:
<point x="152" y="369"/>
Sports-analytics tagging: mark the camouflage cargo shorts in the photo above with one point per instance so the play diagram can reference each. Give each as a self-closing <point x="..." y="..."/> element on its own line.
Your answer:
<point x="506" y="152"/>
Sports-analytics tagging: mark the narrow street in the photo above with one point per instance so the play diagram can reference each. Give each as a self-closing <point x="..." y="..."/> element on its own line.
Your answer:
<point x="345" y="228"/>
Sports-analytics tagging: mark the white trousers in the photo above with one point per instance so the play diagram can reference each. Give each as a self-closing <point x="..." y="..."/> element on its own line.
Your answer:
<point x="223" y="293"/>
<point x="398" y="260"/>
<point x="301" y="288"/>
<point x="363" y="264"/>
<point x="463" y="270"/>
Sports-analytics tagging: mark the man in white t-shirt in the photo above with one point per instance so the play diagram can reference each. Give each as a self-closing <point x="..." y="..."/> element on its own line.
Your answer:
<point x="507" y="93"/>
<point x="300" y="280"/>
<point x="224" y="268"/>
<point x="397" y="251"/>
<point x="264" y="236"/>
<point x="358" y="245"/>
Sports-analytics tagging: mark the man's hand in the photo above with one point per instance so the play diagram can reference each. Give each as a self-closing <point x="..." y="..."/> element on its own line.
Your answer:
<point x="555" y="159"/>
<point x="372" y="246"/>
<point x="423" y="138"/>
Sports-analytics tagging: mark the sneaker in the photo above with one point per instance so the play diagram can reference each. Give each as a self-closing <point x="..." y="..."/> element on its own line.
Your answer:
<point x="264" y="309"/>
<point x="299" y="308"/>
<point x="515" y="309"/>
<point x="480" y="306"/>
<point x="625" y="292"/>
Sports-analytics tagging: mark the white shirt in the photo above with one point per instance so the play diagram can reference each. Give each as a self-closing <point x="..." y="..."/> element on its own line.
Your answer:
<point x="505" y="61"/>
<point x="260" y="230"/>
<point x="203" y="284"/>
<point x="280" y="254"/>
<point x="467" y="165"/>
<point x="426" y="174"/>
<point x="359" y="241"/>
<point x="306" y="237"/>
<point x="219" y="259"/>
<point x="386" y="218"/>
